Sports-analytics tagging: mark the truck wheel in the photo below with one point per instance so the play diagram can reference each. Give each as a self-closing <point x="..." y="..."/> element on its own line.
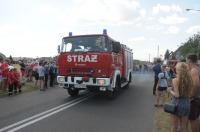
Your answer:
<point x="73" y="92"/>
<point x="111" y="94"/>
<point x="127" y="85"/>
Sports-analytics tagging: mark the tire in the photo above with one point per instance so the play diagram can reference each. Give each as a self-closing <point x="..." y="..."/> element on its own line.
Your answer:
<point x="112" y="94"/>
<point x="127" y="85"/>
<point x="73" y="92"/>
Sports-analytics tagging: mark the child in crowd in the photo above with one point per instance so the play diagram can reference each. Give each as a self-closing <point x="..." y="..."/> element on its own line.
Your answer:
<point x="162" y="85"/>
<point x="11" y="77"/>
<point x="16" y="81"/>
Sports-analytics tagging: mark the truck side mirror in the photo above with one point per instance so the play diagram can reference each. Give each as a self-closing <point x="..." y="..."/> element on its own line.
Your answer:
<point x="58" y="49"/>
<point x="116" y="47"/>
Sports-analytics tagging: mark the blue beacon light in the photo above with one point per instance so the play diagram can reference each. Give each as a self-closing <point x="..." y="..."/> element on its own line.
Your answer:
<point x="105" y="31"/>
<point x="70" y="33"/>
<point x="91" y="71"/>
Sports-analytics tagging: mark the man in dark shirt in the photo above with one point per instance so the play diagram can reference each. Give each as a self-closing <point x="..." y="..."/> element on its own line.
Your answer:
<point x="157" y="70"/>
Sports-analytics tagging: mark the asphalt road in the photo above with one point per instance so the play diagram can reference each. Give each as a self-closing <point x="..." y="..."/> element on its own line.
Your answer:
<point x="55" y="111"/>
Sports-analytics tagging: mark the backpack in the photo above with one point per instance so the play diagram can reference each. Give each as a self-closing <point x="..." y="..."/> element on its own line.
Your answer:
<point x="164" y="76"/>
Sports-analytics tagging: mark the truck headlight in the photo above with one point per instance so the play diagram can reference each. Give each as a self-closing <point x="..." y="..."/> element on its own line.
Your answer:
<point x="101" y="81"/>
<point x="61" y="79"/>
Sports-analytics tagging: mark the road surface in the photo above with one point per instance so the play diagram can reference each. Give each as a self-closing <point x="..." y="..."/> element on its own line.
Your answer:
<point x="55" y="111"/>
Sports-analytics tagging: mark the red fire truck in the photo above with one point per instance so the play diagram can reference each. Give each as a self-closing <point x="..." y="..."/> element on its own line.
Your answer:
<point x="94" y="62"/>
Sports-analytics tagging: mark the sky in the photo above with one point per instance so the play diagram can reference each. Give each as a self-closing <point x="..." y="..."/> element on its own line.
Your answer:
<point x="35" y="28"/>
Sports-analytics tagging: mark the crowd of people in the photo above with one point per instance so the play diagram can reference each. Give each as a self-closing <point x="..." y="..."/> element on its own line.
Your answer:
<point x="143" y="68"/>
<point x="43" y="72"/>
<point x="12" y="79"/>
<point x="184" y="89"/>
<point x="9" y="78"/>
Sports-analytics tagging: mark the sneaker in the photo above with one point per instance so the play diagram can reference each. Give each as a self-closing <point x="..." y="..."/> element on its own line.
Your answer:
<point x="161" y="105"/>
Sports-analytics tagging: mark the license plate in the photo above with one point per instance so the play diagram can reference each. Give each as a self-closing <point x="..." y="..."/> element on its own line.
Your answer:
<point x="79" y="86"/>
<point x="102" y="88"/>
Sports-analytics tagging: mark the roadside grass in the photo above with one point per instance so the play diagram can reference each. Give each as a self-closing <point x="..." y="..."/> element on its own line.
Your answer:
<point x="27" y="88"/>
<point x="162" y="119"/>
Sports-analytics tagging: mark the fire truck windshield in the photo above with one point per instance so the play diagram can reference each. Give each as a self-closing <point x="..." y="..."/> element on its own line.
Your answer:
<point x="84" y="44"/>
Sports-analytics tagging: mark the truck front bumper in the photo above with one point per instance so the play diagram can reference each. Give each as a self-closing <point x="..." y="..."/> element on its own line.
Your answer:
<point x="82" y="82"/>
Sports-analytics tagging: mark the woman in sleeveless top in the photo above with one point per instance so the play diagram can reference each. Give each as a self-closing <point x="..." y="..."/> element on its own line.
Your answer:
<point x="181" y="93"/>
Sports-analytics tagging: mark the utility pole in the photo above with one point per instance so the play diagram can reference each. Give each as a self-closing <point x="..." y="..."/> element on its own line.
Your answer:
<point x="158" y="51"/>
<point x="149" y="57"/>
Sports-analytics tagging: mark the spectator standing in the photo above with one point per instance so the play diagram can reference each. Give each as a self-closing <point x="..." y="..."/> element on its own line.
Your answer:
<point x="22" y="68"/>
<point x="41" y="77"/>
<point x="140" y="68"/>
<point x="10" y="82"/>
<point x="162" y="85"/>
<point x="5" y="71"/>
<point x="157" y="69"/>
<point x="46" y="74"/>
<point x="31" y="71"/>
<point x="52" y="73"/>
<point x="16" y="81"/>
<point x="180" y="92"/>
<point x="1" y="81"/>
<point x="191" y="60"/>
<point x="171" y="71"/>
<point x="28" y="71"/>
<point x="56" y="74"/>
<point x="35" y="73"/>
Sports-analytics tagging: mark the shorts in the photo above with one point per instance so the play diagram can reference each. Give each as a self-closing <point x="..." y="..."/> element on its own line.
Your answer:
<point x="36" y="76"/>
<point x="194" y="109"/>
<point x="41" y="78"/>
<point x="162" y="88"/>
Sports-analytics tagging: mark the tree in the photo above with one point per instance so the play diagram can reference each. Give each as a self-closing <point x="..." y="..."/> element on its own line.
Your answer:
<point x="191" y="46"/>
<point x="11" y="59"/>
<point x="167" y="55"/>
<point x="156" y="59"/>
